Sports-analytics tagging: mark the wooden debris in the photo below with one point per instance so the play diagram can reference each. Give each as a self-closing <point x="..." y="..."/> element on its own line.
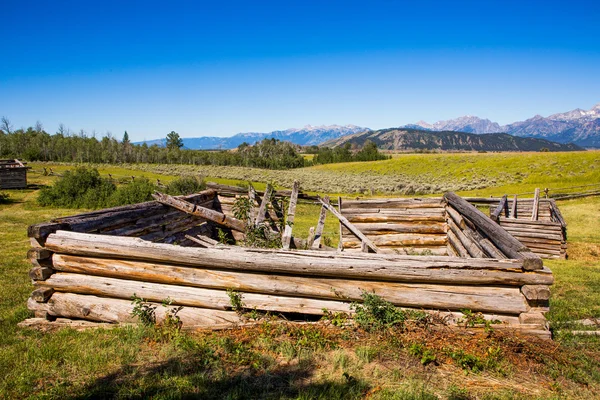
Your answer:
<point x="289" y="223"/>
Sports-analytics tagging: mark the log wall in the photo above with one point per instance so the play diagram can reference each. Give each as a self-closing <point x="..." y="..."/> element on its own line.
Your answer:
<point x="86" y="268"/>
<point x="13" y="174"/>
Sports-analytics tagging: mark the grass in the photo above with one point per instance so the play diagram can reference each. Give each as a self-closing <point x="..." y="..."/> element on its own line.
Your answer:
<point x="275" y="360"/>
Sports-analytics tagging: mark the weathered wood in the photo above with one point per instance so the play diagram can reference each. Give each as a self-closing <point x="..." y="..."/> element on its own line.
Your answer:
<point x="492" y="299"/>
<point x="289" y="222"/>
<point x="199" y="240"/>
<point x="503" y="205"/>
<point x="456" y="217"/>
<point x="395" y="203"/>
<point x="93" y="308"/>
<point x="40" y="273"/>
<point x="341" y="227"/>
<point x="536" y="203"/>
<point x="41" y="295"/>
<point x="349" y="225"/>
<point x="536" y="292"/>
<point x="469" y="244"/>
<point x="262" y="211"/>
<point x="557" y="214"/>
<point x="199" y="211"/>
<point x="510" y="246"/>
<point x="184" y="295"/>
<point x="400" y="239"/>
<point x="457" y="245"/>
<point x="491" y="250"/>
<point x="450" y="250"/>
<point x="513" y="211"/>
<point x="320" y="225"/>
<point x="311" y="237"/>
<point x="390" y="228"/>
<point x="348" y="265"/>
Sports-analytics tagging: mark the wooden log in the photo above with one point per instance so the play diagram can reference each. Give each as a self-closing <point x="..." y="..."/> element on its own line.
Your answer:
<point x="450" y="250"/>
<point x="492" y="299"/>
<point x="184" y="295"/>
<point x="457" y="245"/>
<point x="390" y="228"/>
<point x="469" y="244"/>
<point x="262" y="211"/>
<point x="305" y="262"/>
<point x="456" y="217"/>
<point x="93" y="308"/>
<point x="526" y="224"/>
<point x="381" y="218"/>
<point x="289" y="223"/>
<point x="510" y="246"/>
<point x="41" y="295"/>
<point x="536" y="292"/>
<point x="206" y="213"/>
<point x="557" y="214"/>
<point x="491" y="250"/>
<point x="503" y="205"/>
<point x="400" y="239"/>
<point x="350" y="227"/>
<point x="396" y="203"/>
<point x="40" y="273"/>
<point x="536" y="202"/>
<point x="320" y="225"/>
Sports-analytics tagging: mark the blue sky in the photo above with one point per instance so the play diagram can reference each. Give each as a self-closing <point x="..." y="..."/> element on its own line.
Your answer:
<point x="218" y="68"/>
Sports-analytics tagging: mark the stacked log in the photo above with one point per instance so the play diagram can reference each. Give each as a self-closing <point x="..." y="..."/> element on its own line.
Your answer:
<point x="83" y="269"/>
<point x="13" y="174"/>
<point x="398" y="226"/>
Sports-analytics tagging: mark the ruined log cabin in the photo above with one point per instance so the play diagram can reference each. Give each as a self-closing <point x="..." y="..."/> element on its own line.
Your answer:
<point x="441" y="255"/>
<point x="13" y="174"/>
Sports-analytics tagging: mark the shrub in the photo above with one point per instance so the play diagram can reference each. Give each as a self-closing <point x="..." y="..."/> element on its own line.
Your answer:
<point x="138" y="191"/>
<point x="376" y="313"/>
<point x="72" y="190"/>
<point x="4" y="198"/>
<point x="185" y="185"/>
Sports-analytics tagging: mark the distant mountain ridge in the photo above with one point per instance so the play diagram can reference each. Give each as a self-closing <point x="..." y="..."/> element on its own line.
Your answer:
<point x="306" y="136"/>
<point x="578" y="126"/>
<point x="414" y="139"/>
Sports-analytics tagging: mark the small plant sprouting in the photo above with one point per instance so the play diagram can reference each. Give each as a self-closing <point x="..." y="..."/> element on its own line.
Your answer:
<point x="144" y="311"/>
<point x="172" y="321"/>
<point x="235" y="298"/>
<point x="222" y="236"/>
<point x="376" y="313"/>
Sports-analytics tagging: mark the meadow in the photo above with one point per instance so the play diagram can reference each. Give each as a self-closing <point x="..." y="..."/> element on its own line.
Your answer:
<point x="333" y="360"/>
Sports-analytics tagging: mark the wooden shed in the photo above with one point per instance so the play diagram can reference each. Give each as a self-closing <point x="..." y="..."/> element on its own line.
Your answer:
<point x="13" y="174"/>
<point x="439" y="255"/>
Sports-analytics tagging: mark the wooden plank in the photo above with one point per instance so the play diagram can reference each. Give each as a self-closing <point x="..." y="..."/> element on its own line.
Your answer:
<point x="320" y="225"/>
<point x="305" y="262"/>
<point x="289" y="222"/>
<point x="492" y="299"/>
<point x="341" y="227"/>
<point x="503" y="205"/>
<point x="349" y="225"/>
<point x="262" y="211"/>
<point x="536" y="202"/>
<point x="199" y="211"/>
<point x="513" y="211"/>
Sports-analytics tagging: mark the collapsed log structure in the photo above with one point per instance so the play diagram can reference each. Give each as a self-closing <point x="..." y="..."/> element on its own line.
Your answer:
<point x="536" y="222"/>
<point x="13" y="174"/>
<point x="440" y="255"/>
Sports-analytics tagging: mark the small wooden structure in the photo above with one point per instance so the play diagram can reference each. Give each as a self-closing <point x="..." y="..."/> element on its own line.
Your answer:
<point x="536" y="222"/>
<point x="13" y="174"/>
<point x="89" y="266"/>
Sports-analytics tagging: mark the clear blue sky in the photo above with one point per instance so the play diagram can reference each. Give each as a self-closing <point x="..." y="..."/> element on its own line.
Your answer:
<point x="218" y="68"/>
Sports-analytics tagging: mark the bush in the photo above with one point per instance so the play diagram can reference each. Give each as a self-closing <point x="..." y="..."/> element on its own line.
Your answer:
<point x="138" y="191"/>
<point x="72" y="190"/>
<point x="4" y="198"/>
<point x="185" y="185"/>
<point x="376" y="313"/>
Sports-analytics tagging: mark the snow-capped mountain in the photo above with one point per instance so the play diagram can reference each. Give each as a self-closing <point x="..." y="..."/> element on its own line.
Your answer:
<point x="306" y="136"/>
<point x="581" y="127"/>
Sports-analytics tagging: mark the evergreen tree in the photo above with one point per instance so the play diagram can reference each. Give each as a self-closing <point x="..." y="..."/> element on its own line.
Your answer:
<point x="174" y="141"/>
<point x="126" y="138"/>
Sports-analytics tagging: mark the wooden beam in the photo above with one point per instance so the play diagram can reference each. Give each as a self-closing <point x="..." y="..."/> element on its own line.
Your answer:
<point x="536" y="204"/>
<point x="341" y="242"/>
<point x="199" y="211"/>
<point x="262" y="211"/>
<point x="495" y="215"/>
<point x="289" y="222"/>
<point x="350" y="226"/>
<point x="513" y="212"/>
<point x="320" y="225"/>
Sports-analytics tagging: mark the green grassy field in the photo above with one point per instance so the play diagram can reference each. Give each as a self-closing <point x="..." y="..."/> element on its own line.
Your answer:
<point x="275" y="360"/>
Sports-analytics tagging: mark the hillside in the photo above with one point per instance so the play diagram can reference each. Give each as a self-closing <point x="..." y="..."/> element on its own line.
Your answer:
<point x="414" y="139"/>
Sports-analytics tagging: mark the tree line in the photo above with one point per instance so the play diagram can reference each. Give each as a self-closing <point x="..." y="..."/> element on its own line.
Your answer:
<point x="35" y="144"/>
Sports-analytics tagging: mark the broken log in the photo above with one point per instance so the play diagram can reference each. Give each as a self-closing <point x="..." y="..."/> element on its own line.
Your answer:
<point x="289" y="222"/>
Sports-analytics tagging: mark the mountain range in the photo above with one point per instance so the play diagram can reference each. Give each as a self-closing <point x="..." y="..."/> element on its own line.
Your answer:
<point x="578" y="126"/>
<point x="307" y="136"/>
<point x="410" y="139"/>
